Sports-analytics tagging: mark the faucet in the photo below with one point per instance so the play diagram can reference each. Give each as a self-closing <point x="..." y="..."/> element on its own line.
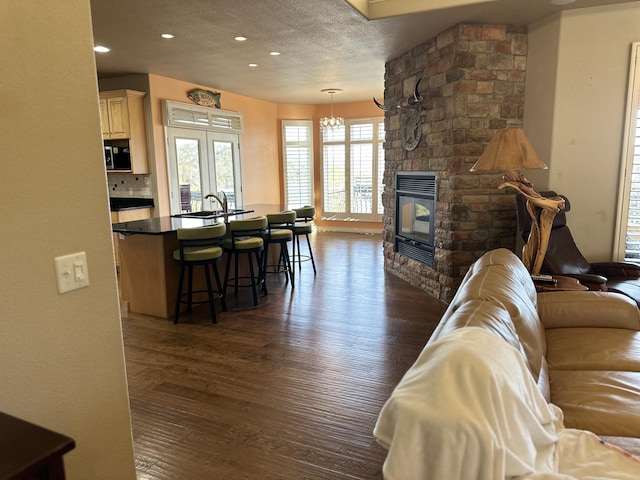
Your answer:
<point x="223" y="203"/>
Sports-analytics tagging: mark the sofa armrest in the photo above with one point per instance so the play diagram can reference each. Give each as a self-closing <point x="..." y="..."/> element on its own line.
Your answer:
<point x="588" y="309"/>
<point x="616" y="269"/>
<point x="589" y="280"/>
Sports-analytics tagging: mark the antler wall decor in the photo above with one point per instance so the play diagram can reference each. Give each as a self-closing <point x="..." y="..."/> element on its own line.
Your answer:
<point x="409" y="102"/>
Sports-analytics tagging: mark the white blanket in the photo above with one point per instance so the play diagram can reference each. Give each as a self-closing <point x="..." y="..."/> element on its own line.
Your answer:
<point x="469" y="409"/>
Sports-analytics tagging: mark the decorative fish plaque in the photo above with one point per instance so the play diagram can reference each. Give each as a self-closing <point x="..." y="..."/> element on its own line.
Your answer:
<point x="206" y="98"/>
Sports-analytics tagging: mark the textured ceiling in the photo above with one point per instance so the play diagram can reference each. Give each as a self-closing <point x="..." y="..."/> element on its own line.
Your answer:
<point x="323" y="43"/>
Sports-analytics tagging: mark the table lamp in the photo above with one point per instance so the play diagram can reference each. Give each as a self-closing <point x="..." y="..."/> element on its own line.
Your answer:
<point x="511" y="150"/>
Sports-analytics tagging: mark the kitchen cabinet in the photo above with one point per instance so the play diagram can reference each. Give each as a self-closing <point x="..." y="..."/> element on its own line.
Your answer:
<point x="123" y="125"/>
<point x="126" y="216"/>
<point x="115" y="117"/>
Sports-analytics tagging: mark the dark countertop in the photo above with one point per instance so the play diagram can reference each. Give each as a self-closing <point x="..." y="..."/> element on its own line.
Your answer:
<point x="118" y="204"/>
<point x="162" y="225"/>
<point x="165" y="225"/>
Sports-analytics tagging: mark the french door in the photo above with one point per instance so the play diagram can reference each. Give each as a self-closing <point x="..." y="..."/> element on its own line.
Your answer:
<point x="199" y="163"/>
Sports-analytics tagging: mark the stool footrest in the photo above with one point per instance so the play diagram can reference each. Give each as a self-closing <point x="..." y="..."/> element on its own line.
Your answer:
<point x="216" y="296"/>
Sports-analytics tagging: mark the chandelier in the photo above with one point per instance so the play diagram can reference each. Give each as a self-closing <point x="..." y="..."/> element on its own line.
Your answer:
<point x="331" y="121"/>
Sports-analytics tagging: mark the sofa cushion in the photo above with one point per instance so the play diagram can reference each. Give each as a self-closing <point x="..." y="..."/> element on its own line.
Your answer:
<point x="603" y="402"/>
<point x="500" y="278"/>
<point x="596" y="309"/>
<point x="593" y="349"/>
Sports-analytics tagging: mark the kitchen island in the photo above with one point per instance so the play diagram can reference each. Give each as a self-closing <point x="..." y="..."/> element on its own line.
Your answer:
<point x="148" y="273"/>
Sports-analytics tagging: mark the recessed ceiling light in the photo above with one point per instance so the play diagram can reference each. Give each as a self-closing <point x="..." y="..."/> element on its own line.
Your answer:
<point x="240" y="39"/>
<point x="561" y="2"/>
<point x="166" y="35"/>
<point x="101" y="49"/>
<point x="253" y="65"/>
<point x="275" y="54"/>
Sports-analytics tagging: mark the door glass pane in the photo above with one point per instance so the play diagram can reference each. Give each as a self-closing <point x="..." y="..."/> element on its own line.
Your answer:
<point x="223" y="166"/>
<point x="189" y="179"/>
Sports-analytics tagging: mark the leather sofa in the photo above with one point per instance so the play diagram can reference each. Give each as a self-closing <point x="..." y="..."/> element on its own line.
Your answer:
<point x="579" y="350"/>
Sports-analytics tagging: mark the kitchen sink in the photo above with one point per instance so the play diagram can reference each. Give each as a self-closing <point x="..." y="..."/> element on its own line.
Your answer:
<point x="211" y="213"/>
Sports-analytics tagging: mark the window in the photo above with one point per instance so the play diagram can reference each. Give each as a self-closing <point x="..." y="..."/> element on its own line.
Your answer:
<point x="627" y="245"/>
<point x="353" y="169"/>
<point x="297" y="138"/>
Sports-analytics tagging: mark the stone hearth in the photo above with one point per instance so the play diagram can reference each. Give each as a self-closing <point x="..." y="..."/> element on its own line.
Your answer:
<point x="473" y="80"/>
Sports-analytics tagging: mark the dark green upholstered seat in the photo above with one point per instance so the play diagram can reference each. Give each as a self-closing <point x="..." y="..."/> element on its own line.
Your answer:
<point x="199" y="246"/>
<point x="247" y="237"/>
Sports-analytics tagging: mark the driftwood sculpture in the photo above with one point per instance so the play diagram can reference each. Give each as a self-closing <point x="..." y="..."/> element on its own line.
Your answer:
<point x="542" y="211"/>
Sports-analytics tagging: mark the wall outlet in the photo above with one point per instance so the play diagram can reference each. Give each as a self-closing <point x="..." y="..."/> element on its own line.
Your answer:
<point x="71" y="272"/>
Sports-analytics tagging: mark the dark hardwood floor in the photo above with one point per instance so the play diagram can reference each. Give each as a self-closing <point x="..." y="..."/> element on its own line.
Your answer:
<point x="290" y="389"/>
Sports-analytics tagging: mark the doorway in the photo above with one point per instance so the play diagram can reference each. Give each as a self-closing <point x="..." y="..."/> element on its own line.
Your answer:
<point x="199" y="163"/>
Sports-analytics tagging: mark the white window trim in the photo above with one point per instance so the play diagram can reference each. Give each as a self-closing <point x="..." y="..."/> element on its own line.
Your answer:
<point x="186" y="115"/>
<point x="309" y="125"/>
<point x="347" y="216"/>
<point x="628" y="150"/>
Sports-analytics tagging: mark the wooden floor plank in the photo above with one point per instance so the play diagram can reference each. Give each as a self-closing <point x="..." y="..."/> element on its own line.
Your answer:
<point x="290" y="389"/>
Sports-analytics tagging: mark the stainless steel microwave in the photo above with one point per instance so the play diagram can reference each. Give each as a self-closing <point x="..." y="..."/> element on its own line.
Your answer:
<point x="108" y="157"/>
<point x="117" y="158"/>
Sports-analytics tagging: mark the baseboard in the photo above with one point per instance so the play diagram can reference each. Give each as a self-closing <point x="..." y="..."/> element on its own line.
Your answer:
<point x="368" y="231"/>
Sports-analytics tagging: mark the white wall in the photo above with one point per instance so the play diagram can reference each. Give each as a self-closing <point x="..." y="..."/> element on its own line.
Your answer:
<point x="583" y="134"/>
<point x="61" y="356"/>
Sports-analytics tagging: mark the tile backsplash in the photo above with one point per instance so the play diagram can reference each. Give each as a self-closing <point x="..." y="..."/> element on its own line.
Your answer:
<point x="122" y="185"/>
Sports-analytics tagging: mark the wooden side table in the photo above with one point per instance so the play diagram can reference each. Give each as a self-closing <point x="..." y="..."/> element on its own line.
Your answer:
<point x="563" y="284"/>
<point x="30" y="452"/>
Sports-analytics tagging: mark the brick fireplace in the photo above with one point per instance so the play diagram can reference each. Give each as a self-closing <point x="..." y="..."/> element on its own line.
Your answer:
<point x="472" y="84"/>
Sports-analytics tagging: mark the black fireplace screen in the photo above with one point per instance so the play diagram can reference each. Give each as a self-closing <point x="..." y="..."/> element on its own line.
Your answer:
<point x="415" y="215"/>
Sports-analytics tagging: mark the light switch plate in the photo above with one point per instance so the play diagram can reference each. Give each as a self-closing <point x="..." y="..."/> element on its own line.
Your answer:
<point x="71" y="272"/>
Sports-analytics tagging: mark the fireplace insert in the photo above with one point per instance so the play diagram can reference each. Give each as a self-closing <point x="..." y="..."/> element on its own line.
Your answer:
<point x="415" y="215"/>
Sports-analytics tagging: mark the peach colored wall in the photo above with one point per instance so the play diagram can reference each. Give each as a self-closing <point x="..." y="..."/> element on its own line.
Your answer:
<point x="315" y="112"/>
<point x="258" y="143"/>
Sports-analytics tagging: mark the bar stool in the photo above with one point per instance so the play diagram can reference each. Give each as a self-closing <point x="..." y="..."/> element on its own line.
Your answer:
<point x="247" y="237"/>
<point x="303" y="226"/>
<point x="200" y="246"/>
<point x="280" y="231"/>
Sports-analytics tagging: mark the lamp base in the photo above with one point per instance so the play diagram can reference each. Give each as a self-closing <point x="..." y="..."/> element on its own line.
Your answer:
<point x="542" y="211"/>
